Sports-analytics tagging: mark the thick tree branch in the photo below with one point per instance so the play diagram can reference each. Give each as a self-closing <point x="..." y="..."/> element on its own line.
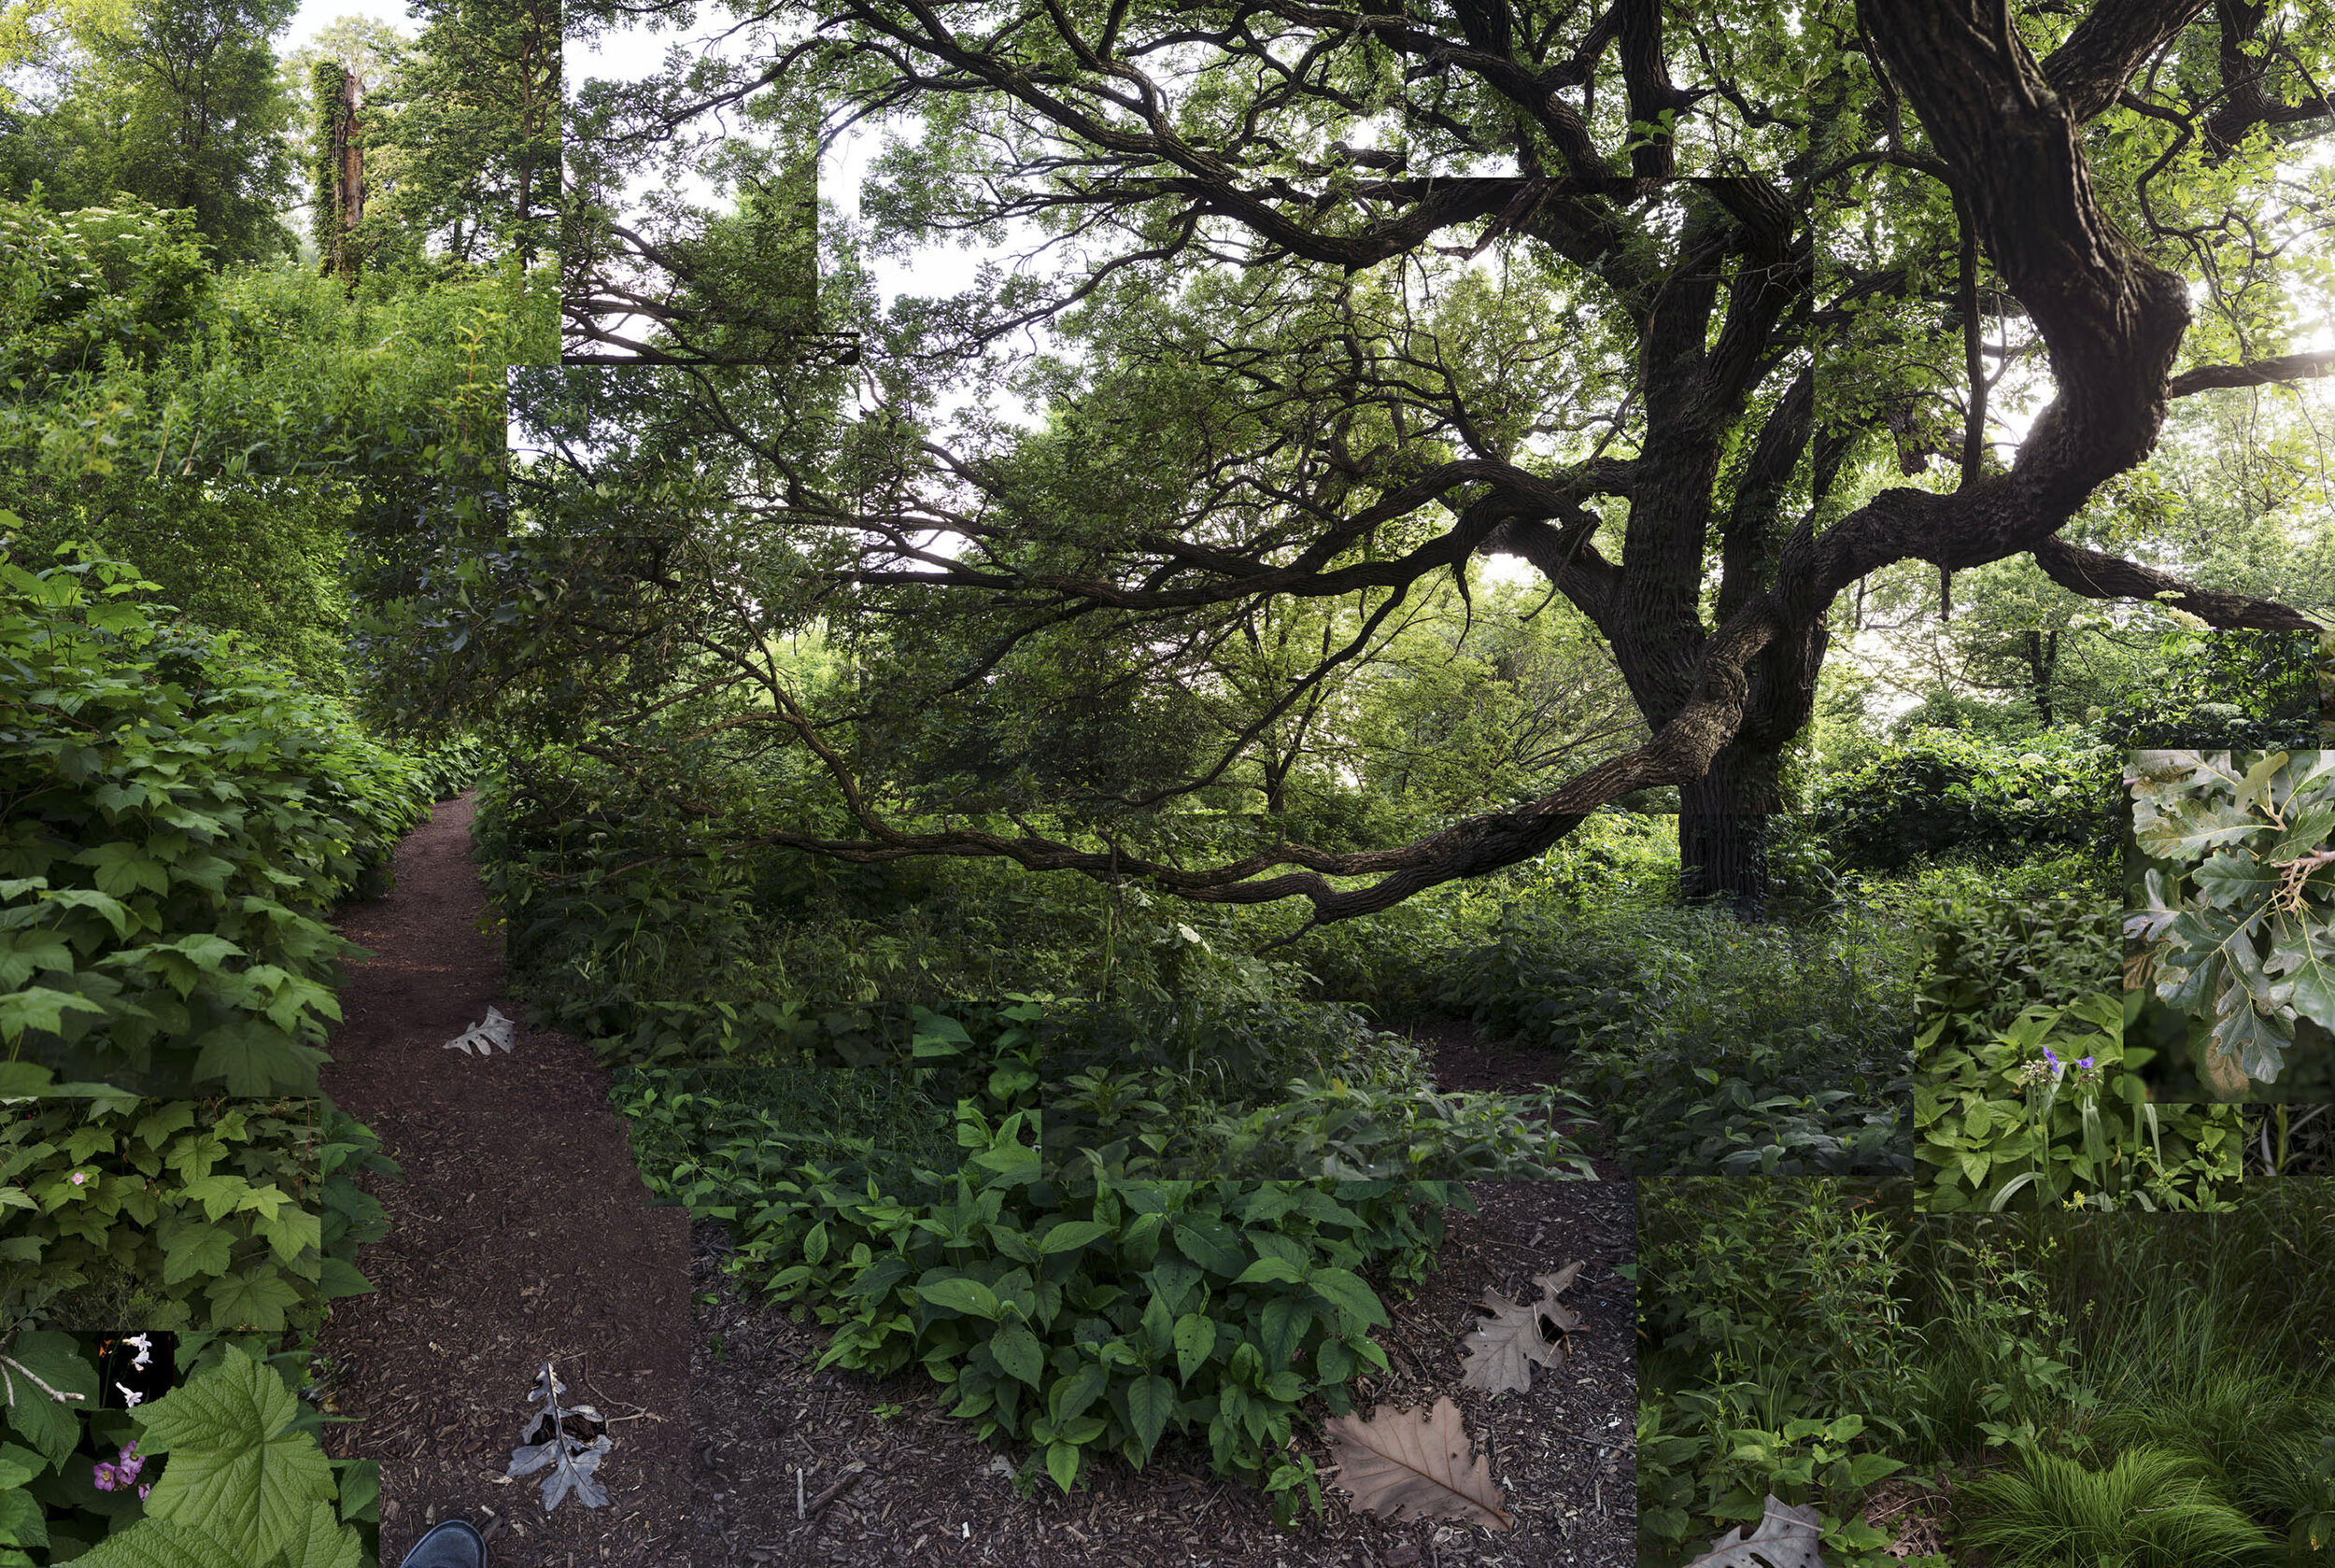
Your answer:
<point x="2097" y="576"/>
<point x="2256" y="373"/>
<point x="2113" y="42"/>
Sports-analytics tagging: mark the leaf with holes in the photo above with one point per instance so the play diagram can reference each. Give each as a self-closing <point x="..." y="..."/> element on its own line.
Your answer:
<point x="1786" y="1538"/>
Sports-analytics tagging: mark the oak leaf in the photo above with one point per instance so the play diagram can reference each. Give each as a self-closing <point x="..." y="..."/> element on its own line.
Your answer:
<point x="1416" y="1460"/>
<point x="1787" y="1538"/>
<point x="1502" y="1352"/>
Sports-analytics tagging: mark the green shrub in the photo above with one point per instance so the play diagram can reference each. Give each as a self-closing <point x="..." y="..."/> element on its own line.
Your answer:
<point x="1708" y="1043"/>
<point x="2149" y="1509"/>
<point x="1071" y="1308"/>
<point x="180" y="819"/>
<point x="2027" y="1090"/>
<point x="173" y="1213"/>
<point x="1773" y="1357"/>
<point x="1943" y="792"/>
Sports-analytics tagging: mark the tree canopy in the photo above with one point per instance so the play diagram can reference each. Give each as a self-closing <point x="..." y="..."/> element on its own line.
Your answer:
<point x="1708" y="313"/>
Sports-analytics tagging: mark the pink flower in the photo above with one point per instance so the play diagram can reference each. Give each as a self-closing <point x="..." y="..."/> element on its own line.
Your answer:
<point x="144" y="1489"/>
<point x="78" y="1177"/>
<point x="105" y="1476"/>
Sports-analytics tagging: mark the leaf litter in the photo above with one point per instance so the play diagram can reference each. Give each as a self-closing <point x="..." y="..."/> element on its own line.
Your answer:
<point x="572" y="1441"/>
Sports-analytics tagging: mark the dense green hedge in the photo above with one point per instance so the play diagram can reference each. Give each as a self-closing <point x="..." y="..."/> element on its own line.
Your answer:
<point x="180" y="818"/>
<point x="1943" y="792"/>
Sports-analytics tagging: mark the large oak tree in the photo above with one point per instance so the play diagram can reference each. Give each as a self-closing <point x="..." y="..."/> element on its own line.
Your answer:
<point x="1343" y="297"/>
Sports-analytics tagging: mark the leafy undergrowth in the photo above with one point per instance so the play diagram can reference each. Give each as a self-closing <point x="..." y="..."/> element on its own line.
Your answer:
<point x="224" y="1470"/>
<point x="2028" y="1093"/>
<point x="1065" y="1303"/>
<point x="179" y="820"/>
<point x="2088" y="1387"/>
<point x="174" y="1214"/>
<point x="1709" y="1044"/>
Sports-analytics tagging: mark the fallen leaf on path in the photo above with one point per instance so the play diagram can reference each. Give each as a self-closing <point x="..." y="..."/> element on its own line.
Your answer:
<point x="1417" y="1460"/>
<point x="1786" y="1538"/>
<point x="495" y="1030"/>
<point x="1502" y="1353"/>
<point x="571" y="1441"/>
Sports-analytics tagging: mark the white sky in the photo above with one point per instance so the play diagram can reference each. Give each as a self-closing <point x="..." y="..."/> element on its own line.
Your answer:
<point x="315" y="15"/>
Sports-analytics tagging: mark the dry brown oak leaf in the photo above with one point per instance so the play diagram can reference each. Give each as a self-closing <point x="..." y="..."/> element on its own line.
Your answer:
<point x="1786" y="1538"/>
<point x="1416" y="1460"/>
<point x="1502" y="1353"/>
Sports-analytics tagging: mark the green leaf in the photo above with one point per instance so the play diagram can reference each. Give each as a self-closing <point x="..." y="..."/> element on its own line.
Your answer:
<point x="1355" y="1301"/>
<point x="23" y="1522"/>
<point x="255" y="1058"/>
<point x="53" y="1426"/>
<point x="1268" y="1271"/>
<point x="1151" y="1400"/>
<point x="1062" y="1464"/>
<point x="1016" y="1351"/>
<point x="237" y="1470"/>
<point x="254" y="1297"/>
<point x="961" y="1295"/>
<point x="340" y="1277"/>
<point x="1070" y="1235"/>
<point x="323" y="1542"/>
<point x="153" y="1543"/>
<point x="1195" y="1339"/>
<point x="2193" y="826"/>
<point x="196" y="1248"/>
<point x="40" y="1007"/>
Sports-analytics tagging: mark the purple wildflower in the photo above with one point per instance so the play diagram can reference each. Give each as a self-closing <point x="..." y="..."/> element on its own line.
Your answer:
<point x="144" y="1491"/>
<point x="105" y="1476"/>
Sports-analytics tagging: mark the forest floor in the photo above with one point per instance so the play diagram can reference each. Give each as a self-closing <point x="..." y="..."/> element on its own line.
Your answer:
<point x="521" y="1233"/>
<point x="776" y="1440"/>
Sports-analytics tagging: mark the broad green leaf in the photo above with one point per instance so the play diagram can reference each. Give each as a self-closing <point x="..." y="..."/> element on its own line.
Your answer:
<point x="961" y="1295"/>
<point x="1195" y="1339"/>
<point x="1072" y="1235"/>
<point x="195" y="1248"/>
<point x="1017" y="1353"/>
<point x="237" y="1470"/>
<point x="1355" y="1301"/>
<point x="154" y="1543"/>
<point x="253" y="1297"/>
<point x="1150" y="1401"/>
<point x="1062" y="1464"/>
<point x="323" y="1542"/>
<point x="48" y="1420"/>
<point x="1268" y="1271"/>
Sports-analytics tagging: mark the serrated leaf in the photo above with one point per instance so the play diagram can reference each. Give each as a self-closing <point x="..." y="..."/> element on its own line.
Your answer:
<point x="153" y="1543"/>
<point x="251" y="1299"/>
<point x="238" y="1471"/>
<point x="323" y="1542"/>
<point x="196" y="1250"/>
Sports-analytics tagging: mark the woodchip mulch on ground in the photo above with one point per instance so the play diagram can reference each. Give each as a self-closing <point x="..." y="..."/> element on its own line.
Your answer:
<point x="776" y="1441"/>
<point x="521" y="1231"/>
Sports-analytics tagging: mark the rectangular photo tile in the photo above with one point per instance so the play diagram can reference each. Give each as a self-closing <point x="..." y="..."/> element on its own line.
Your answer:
<point x="1822" y="1374"/>
<point x="148" y="1446"/>
<point x="2229" y="890"/>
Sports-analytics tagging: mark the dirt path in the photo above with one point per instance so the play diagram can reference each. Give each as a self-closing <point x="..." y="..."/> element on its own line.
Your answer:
<point x="521" y="1231"/>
